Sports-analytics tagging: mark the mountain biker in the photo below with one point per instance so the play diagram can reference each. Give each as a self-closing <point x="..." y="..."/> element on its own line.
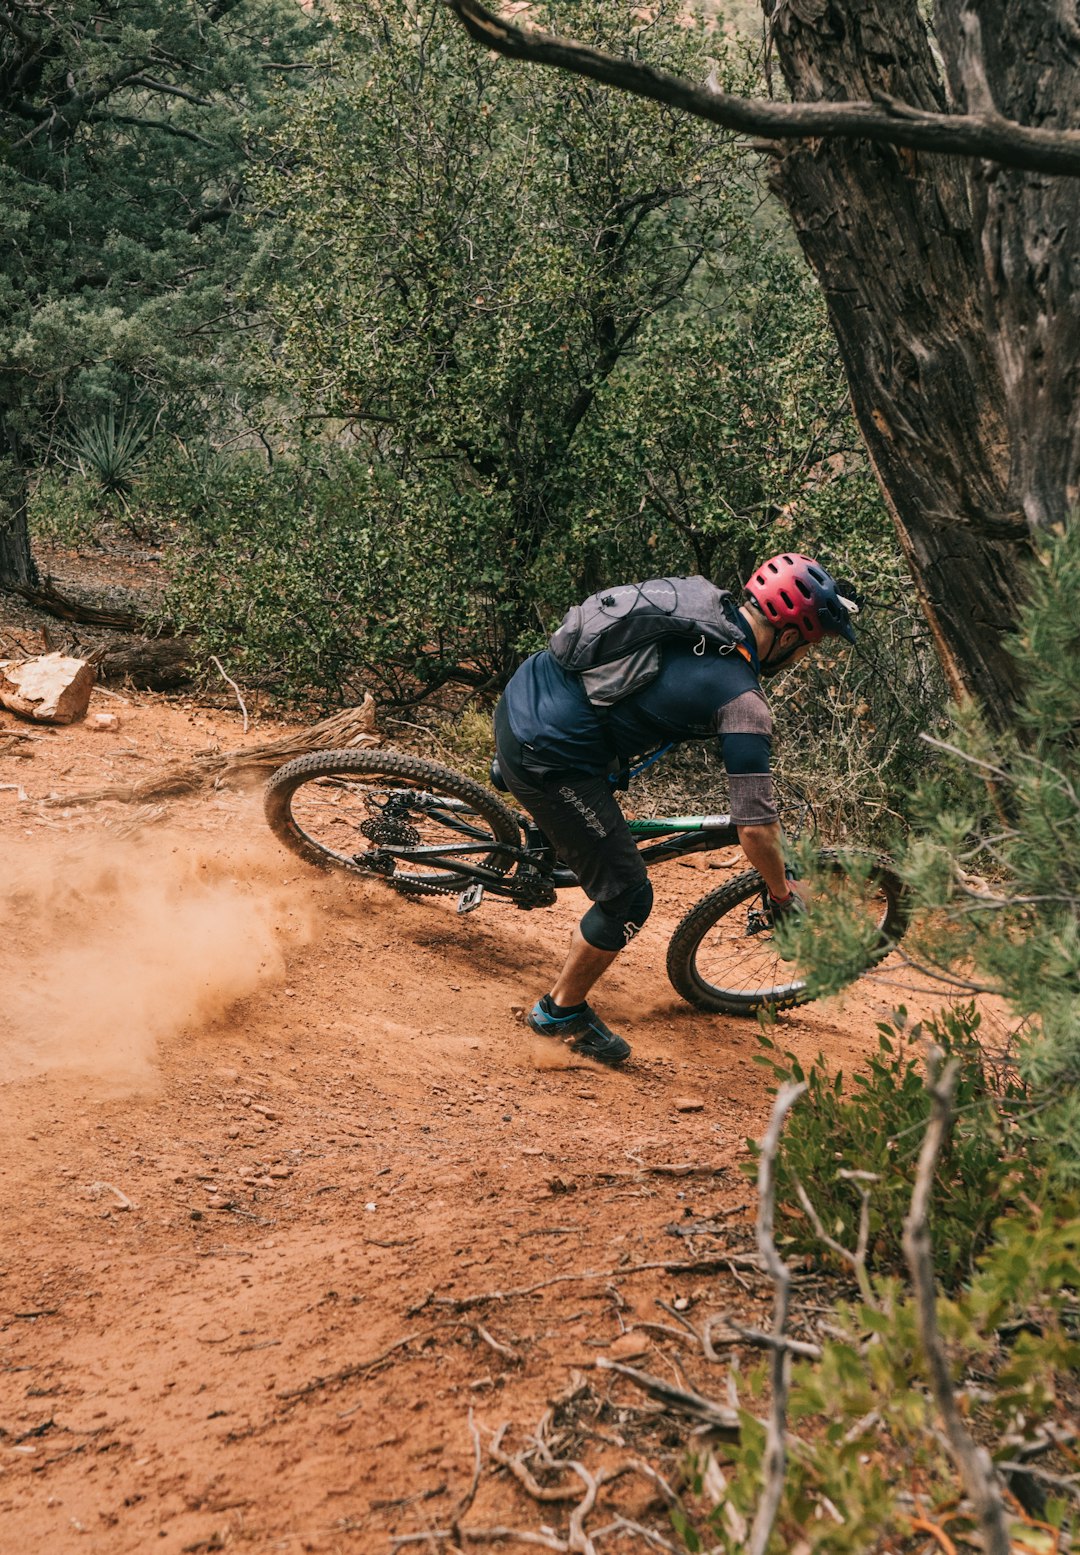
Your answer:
<point x="556" y="753"/>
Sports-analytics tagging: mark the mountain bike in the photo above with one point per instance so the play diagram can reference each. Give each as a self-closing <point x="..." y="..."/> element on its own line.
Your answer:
<point x="426" y="830"/>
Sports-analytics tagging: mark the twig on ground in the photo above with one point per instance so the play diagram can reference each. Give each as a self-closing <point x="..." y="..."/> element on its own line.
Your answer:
<point x="938" y="1535"/>
<point x="780" y="1366"/>
<point x="687" y="1402"/>
<point x="712" y="1265"/>
<point x="243" y="709"/>
<point x="651" y="1537"/>
<point x="753" y="1336"/>
<point x="353" y="727"/>
<point x="547" y="1541"/>
<point x="493" y="1343"/>
<point x="347" y="1373"/>
<point x="972" y="1461"/>
<point x="470" y="1495"/>
<point x="521" y="1472"/>
<point x="646" y="1470"/>
<point x="662" y="1169"/>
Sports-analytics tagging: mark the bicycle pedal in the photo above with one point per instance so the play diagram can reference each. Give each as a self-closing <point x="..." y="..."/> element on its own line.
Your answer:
<point x="471" y="897"/>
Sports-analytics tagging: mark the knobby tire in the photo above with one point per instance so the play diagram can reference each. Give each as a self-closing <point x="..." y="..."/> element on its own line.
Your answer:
<point x="711" y="993"/>
<point x="384" y="772"/>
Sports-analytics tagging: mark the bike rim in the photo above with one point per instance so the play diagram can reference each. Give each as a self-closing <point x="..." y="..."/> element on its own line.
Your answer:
<point x="371" y="821"/>
<point x="740" y="959"/>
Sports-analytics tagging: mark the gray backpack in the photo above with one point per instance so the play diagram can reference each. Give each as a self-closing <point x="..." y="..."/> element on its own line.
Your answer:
<point x="613" y="639"/>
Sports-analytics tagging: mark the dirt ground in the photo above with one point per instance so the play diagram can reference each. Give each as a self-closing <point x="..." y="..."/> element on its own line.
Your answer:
<point x="272" y="1144"/>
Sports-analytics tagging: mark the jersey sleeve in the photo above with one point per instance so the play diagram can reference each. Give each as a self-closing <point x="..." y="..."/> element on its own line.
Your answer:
<point x="745" y="728"/>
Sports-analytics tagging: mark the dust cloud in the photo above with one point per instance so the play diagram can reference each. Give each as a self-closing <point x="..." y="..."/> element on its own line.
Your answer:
<point x="107" y="947"/>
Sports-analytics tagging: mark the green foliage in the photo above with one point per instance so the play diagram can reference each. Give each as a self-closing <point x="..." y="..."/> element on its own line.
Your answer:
<point x="125" y="144"/>
<point x="113" y="451"/>
<point x="548" y="319"/>
<point x="837" y="1135"/>
<point x="864" y="1426"/>
<point x="997" y="865"/>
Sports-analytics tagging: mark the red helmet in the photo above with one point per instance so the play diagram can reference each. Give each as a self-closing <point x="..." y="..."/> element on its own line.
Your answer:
<point x="793" y="590"/>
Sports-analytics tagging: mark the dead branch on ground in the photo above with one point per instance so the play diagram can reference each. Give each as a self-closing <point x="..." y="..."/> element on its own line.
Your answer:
<point x="353" y="727"/>
<point x="683" y="1400"/>
<point x="347" y="1373"/>
<point x="722" y="1261"/>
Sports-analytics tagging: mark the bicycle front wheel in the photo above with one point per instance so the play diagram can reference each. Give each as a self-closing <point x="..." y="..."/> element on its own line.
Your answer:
<point x="376" y="812"/>
<point x="723" y="956"/>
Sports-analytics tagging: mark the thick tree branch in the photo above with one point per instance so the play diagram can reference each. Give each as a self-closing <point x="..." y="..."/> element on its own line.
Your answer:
<point x="987" y="135"/>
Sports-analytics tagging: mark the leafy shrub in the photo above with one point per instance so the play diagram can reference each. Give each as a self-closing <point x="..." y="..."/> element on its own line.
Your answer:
<point x="997" y="858"/>
<point x="836" y="1135"/>
<point x="864" y="1432"/>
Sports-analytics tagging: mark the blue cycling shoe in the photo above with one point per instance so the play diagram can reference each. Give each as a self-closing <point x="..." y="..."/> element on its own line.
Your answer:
<point x="582" y="1028"/>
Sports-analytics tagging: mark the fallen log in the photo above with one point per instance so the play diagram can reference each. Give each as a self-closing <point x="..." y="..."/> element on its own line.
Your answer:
<point x="124" y="610"/>
<point x="147" y="663"/>
<point x="51" y="689"/>
<point x="354" y="726"/>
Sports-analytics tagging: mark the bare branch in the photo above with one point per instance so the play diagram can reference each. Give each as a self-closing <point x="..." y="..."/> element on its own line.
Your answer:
<point x="780" y="1365"/>
<point x="973" y="1462"/>
<point x="686" y="1402"/>
<point x="243" y="709"/>
<point x="987" y="135"/>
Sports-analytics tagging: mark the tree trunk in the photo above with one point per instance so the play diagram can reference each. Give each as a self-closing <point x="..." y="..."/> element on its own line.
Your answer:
<point x="17" y="568"/>
<point x="951" y="297"/>
<point x="1021" y="60"/>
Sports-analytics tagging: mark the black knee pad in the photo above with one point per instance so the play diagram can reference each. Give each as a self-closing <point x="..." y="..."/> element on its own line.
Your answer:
<point x="612" y="924"/>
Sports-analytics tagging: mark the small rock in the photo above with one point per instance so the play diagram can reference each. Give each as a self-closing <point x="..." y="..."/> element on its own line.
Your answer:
<point x="531" y="1150"/>
<point x="629" y="1346"/>
<point x="280" y="1172"/>
<point x="562" y="1185"/>
<point x="371" y="1208"/>
<point x="689" y="1104"/>
<point x="232" y="1133"/>
<point x="267" y="1112"/>
<point x="103" y="723"/>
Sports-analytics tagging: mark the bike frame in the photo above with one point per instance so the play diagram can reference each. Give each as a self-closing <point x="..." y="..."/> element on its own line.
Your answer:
<point x="675" y="837"/>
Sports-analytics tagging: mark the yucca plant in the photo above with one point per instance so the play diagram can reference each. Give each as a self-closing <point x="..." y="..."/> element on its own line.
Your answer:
<point x="111" y="450"/>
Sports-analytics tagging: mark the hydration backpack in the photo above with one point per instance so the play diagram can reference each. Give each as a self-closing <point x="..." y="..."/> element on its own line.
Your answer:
<point x="613" y="639"/>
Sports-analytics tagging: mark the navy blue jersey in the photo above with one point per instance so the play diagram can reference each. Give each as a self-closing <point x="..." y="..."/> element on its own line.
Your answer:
<point x="694" y="696"/>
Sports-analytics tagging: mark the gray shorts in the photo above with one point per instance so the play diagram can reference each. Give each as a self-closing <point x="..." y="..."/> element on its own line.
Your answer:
<point x="579" y="815"/>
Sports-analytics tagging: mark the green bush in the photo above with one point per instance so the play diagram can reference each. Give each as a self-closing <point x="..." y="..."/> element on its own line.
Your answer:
<point x="840" y="1142"/>
<point x="864" y="1436"/>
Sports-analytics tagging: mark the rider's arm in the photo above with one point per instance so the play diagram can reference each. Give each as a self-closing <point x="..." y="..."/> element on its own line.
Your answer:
<point x="745" y="729"/>
<point x="764" y="849"/>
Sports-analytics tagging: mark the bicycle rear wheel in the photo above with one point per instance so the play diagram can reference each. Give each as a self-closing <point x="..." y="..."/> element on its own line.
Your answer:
<point x="374" y="812"/>
<point x="723" y="957"/>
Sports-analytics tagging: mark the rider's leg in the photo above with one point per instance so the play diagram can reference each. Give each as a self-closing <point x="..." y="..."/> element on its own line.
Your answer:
<point x="584" y="966"/>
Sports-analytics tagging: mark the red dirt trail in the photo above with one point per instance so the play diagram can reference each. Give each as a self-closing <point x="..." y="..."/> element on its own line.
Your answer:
<point x="259" y="1125"/>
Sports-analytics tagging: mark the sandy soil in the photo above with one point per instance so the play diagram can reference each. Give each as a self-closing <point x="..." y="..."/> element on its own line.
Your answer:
<point x="265" y="1132"/>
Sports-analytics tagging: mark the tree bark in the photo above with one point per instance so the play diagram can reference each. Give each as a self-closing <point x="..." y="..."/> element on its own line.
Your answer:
<point x="891" y="236"/>
<point x="17" y="569"/>
<point x="1020" y="59"/>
